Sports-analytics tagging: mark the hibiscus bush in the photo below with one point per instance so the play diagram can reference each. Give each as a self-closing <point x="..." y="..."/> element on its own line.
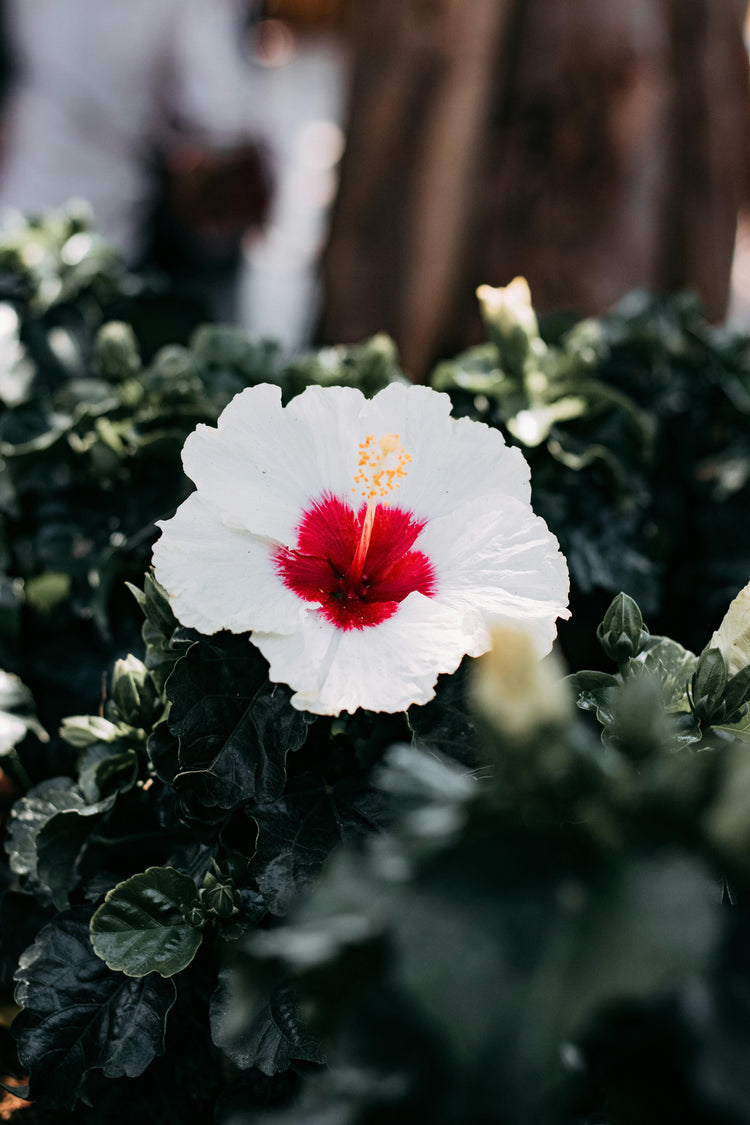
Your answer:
<point x="488" y="908"/>
<point x="280" y="849"/>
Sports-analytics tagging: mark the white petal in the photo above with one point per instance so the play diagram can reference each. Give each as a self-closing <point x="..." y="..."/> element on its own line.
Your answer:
<point x="454" y="461"/>
<point x="263" y="464"/>
<point x="12" y="730"/>
<point x="332" y="421"/>
<point x="385" y="667"/>
<point x="218" y="577"/>
<point x="499" y="563"/>
<point x="732" y="638"/>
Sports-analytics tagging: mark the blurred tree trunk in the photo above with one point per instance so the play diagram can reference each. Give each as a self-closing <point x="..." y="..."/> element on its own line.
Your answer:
<point x="593" y="147"/>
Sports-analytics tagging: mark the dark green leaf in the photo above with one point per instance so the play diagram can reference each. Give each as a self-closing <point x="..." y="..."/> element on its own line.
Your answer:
<point x="737" y="692"/>
<point x="445" y="723"/>
<point x="142" y="926"/>
<point x="102" y="772"/>
<point x="298" y="832"/>
<point x="234" y="727"/>
<point x="673" y="665"/>
<point x="270" y="1040"/>
<point x="597" y="692"/>
<point x="78" y="1016"/>
<point x="40" y="805"/>
<point x="58" y="845"/>
<point x="162" y="751"/>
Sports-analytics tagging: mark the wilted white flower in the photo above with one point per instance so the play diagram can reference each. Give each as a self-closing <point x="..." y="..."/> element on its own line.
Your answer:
<point x="732" y="638"/>
<point x="368" y="544"/>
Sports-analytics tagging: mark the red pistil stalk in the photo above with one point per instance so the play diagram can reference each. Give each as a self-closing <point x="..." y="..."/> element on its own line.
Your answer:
<point x="356" y="570"/>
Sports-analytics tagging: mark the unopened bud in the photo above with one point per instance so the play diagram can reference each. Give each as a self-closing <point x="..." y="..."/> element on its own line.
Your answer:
<point x="116" y="352"/>
<point x="511" y="323"/>
<point x="707" y="686"/>
<point x="218" y="897"/>
<point x="508" y="308"/>
<point x="84" y="730"/>
<point x="516" y="693"/>
<point x="134" y="692"/>
<point x="621" y="633"/>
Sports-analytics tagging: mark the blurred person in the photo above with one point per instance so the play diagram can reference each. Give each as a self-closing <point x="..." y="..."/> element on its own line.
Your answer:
<point x="593" y="147"/>
<point x="116" y="101"/>
<point x="302" y="48"/>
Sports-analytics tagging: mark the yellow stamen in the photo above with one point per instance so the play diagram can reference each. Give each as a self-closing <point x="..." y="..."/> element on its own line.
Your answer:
<point x="380" y="468"/>
<point x="381" y="465"/>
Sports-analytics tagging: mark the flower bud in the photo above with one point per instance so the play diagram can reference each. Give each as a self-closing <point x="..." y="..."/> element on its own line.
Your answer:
<point x="508" y="308"/>
<point x="218" y="897"/>
<point x="116" y="352"/>
<point x="707" y="686"/>
<point x="515" y="692"/>
<point x="511" y="322"/>
<point x="621" y="632"/>
<point x="134" y="692"/>
<point x="84" y="730"/>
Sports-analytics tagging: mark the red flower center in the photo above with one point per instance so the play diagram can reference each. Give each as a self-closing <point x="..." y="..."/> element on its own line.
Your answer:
<point x="357" y="565"/>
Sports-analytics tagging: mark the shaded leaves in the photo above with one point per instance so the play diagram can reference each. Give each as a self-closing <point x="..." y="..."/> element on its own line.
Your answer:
<point x="271" y="1040"/>
<point x="234" y="727"/>
<point x="78" y="1016"/>
<point x="143" y="924"/>
<point x="48" y="830"/>
<point x="297" y="832"/>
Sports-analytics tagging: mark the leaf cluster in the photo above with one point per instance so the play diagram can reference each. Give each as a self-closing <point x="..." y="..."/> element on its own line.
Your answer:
<point x="366" y="928"/>
<point x="560" y="937"/>
<point x="635" y="425"/>
<point x="217" y="906"/>
<point x="203" y="806"/>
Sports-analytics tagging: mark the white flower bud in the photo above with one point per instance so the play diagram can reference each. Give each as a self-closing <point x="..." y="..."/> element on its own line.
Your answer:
<point x="509" y="307"/>
<point x="515" y="691"/>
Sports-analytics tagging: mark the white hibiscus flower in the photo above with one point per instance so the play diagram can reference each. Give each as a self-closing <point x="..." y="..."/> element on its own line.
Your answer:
<point x="368" y="544"/>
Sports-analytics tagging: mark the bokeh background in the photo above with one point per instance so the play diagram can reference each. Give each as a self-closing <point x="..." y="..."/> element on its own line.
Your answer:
<point x="325" y="169"/>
